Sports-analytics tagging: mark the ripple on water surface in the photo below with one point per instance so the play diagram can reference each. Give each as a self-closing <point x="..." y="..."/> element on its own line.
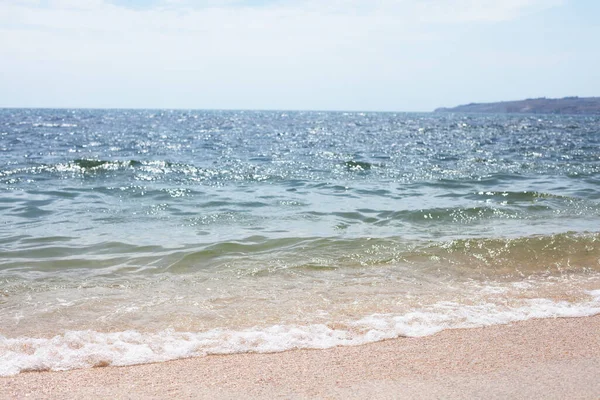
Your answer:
<point x="133" y="236"/>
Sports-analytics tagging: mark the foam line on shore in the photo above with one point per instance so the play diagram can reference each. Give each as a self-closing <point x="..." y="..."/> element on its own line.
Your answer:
<point x="84" y="349"/>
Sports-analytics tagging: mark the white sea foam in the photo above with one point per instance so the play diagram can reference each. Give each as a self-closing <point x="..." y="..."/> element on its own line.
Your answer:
<point x="54" y="125"/>
<point x="84" y="349"/>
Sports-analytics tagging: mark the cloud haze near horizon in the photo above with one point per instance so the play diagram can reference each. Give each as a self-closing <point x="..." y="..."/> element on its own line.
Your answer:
<point x="404" y="55"/>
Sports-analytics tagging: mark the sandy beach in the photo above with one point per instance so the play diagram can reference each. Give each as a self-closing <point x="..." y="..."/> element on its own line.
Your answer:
<point x="542" y="359"/>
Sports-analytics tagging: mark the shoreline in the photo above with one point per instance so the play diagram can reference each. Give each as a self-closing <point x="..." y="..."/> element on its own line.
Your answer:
<point x="540" y="358"/>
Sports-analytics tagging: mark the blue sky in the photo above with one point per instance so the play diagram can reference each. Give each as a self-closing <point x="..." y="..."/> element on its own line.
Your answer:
<point x="381" y="55"/>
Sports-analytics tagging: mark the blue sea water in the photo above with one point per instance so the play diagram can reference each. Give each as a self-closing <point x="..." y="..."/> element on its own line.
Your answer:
<point x="130" y="236"/>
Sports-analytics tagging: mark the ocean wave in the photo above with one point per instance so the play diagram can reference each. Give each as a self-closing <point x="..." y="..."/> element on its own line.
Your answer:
<point x="477" y="257"/>
<point x="85" y="165"/>
<point x="53" y="125"/>
<point x="86" y="349"/>
<point x="138" y="170"/>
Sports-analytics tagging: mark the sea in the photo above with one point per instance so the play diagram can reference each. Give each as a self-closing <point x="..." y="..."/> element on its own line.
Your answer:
<point x="139" y="236"/>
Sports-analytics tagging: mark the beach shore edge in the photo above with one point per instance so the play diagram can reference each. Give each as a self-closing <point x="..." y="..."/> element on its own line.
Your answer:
<point x="542" y="358"/>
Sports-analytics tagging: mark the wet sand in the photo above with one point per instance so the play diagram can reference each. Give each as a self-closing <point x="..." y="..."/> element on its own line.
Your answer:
<point x="541" y="359"/>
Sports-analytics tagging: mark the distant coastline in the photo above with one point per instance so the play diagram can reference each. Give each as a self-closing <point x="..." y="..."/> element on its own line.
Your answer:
<point x="542" y="105"/>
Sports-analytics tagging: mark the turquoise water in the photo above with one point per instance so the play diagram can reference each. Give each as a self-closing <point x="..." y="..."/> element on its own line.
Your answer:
<point x="131" y="236"/>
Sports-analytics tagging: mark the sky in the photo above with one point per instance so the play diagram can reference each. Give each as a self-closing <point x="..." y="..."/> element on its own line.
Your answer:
<point x="354" y="55"/>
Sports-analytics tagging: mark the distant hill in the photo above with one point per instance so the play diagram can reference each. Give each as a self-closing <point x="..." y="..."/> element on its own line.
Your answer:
<point x="542" y="105"/>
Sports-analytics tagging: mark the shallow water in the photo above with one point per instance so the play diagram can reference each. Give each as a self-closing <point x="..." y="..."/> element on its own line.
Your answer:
<point x="134" y="236"/>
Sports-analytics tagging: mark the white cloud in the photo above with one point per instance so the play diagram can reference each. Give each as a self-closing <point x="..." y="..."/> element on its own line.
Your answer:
<point x="181" y="14"/>
<point x="224" y="50"/>
<point x="460" y="11"/>
<point x="62" y="26"/>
